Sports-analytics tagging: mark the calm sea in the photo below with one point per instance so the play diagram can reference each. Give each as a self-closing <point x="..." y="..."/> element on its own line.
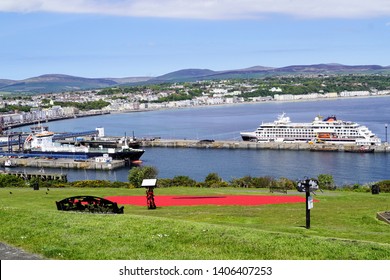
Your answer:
<point x="225" y="123"/>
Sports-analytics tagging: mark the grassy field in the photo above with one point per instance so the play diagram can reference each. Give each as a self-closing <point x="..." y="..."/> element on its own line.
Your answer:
<point x="343" y="226"/>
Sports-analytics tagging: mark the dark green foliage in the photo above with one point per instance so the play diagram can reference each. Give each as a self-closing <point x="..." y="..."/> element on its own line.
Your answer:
<point x="7" y="180"/>
<point x="183" y="181"/>
<point x="384" y="186"/>
<point x="98" y="184"/>
<point x="212" y="178"/>
<point x="326" y="182"/>
<point x="177" y="181"/>
<point x="90" y="105"/>
<point x="15" y="108"/>
<point x="251" y="182"/>
<point x="137" y="174"/>
<point x="285" y="183"/>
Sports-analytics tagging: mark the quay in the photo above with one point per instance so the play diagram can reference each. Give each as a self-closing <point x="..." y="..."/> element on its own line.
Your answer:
<point x="67" y="163"/>
<point x="95" y="164"/>
<point x="211" y="144"/>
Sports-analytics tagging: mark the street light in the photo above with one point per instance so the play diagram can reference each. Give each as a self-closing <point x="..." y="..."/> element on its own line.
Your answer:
<point x="386" y="132"/>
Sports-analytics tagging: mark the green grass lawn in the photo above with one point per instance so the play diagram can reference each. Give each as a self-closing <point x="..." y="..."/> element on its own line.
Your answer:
<point x="343" y="226"/>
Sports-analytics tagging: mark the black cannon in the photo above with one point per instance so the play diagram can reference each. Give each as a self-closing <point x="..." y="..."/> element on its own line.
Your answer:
<point x="91" y="204"/>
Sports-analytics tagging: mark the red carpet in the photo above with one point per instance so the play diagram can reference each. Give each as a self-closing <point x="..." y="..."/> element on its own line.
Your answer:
<point x="182" y="200"/>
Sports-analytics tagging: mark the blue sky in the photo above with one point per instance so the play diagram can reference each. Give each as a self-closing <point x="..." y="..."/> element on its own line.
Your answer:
<point x="128" y="38"/>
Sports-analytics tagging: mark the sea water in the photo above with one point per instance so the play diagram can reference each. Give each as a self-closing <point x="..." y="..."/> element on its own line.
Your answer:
<point x="225" y="123"/>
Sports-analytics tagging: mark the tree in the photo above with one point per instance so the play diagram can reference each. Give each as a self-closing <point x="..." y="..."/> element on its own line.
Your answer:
<point x="137" y="174"/>
<point x="212" y="179"/>
<point x="326" y="182"/>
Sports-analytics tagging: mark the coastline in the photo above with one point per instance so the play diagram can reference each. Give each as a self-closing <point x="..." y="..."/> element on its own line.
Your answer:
<point x="251" y="102"/>
<point x="92" y="114"/>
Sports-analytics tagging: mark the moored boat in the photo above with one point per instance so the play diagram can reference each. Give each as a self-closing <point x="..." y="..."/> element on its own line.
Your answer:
<point x="328" y="130"/>
<point x="41" y="143"/>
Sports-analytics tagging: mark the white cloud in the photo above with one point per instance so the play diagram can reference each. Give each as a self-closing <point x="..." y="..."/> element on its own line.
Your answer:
<point x="207" y="9"/>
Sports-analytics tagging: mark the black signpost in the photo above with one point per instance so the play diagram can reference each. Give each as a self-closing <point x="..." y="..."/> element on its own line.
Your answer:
<point x="308" y="186"/>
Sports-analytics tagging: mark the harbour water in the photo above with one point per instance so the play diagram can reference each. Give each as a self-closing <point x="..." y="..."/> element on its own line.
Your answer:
<point x="225" y="123"/>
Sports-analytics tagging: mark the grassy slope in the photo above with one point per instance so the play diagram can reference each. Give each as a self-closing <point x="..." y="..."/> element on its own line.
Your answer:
<point x="343" y="226"/>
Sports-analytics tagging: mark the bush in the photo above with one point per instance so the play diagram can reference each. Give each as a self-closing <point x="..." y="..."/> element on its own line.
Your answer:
<point x="177" y="181"/>
<point x="96" y="184"/>
<point x="183" y="181"/>
<point x="356" y="188"/>
<point x="211" y="179"/>
<point x="138" y="174"/>
<point x="384" y="186"/>
<point x="262" y="182"/>
<point x="7" y="180"/>
<point x="245" y="182"/>
<point x="326" y="182"/>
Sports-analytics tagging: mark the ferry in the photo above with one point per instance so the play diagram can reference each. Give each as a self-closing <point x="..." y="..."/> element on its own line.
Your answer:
<point x="41" y="143"/>
<point x="320" y="130"/>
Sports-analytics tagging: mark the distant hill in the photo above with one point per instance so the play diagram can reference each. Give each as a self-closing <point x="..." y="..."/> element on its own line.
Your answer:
<point x="332" y="68"/>
<point x="185" y="74"/>
<point x="59" y="83"/>
<point x="262" y="71"/>
<point x="4" y="82"/>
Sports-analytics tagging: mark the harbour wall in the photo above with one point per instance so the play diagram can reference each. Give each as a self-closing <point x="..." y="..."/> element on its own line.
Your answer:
<point x="43" y="163"/>
<point x="176" y="143"/>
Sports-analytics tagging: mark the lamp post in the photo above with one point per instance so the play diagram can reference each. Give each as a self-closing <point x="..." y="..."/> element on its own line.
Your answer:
<point x="386" y="133"/>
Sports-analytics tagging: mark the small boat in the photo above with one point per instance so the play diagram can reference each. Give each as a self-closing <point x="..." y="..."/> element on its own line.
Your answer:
<point x="9" y="163"/>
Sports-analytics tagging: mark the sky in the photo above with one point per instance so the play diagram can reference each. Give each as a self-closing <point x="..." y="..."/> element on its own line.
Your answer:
<point x="134" y="38"/>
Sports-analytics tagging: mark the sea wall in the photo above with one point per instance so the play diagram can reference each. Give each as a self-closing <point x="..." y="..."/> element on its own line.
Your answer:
<point x="64" y="163"/>
<point x="176" y="143"/>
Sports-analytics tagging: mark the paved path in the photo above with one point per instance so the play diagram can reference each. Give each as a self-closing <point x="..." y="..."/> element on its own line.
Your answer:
<point x="11" y="253"/>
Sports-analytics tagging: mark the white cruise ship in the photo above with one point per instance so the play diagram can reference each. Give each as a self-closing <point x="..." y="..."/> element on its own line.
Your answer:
<point x="329" y="130"/>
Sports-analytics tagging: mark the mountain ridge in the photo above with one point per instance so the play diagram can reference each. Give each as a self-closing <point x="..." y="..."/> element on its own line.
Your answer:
<point x="61" y="82"/>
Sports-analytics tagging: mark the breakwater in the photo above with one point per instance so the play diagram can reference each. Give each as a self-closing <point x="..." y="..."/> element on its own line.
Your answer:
<point x="43" y="163"/>
<point x="296" y="146"/>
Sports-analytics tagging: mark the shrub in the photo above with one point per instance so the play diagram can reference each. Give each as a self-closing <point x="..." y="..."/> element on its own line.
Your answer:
<point x="138" y="174"/>
<point x="283" y="184"/>
<point x="384" y="186"/>
<point x="262" y="182"/>
<point x="7" y="180"/>
<point x="95" y="184"/>
<point x="245" y="182"/>
<point x="182" y="181"/>
<point x="211" y="179"/>
<point x="251" y="182"/>
<point x="326" y="182"/>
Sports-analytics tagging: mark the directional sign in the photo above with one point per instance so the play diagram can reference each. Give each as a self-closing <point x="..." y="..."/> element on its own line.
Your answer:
<point x="310" y="203"/>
